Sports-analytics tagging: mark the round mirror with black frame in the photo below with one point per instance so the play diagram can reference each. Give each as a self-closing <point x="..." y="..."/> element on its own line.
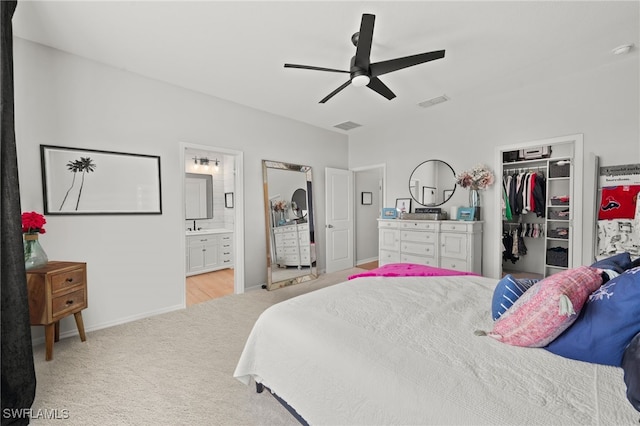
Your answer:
<point x="432" y="183"/>
<point x="299" y="203"/>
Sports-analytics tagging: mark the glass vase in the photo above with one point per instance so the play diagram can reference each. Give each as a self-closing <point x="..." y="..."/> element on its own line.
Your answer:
<point x="34" y="254"/>
<point x="474" y="203"/>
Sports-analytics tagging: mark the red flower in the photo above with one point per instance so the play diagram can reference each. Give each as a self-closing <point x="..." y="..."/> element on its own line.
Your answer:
<point x="33" y="223"/>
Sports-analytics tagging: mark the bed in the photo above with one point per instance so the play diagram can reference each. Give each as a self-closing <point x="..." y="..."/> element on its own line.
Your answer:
<point x="382" y="349"/>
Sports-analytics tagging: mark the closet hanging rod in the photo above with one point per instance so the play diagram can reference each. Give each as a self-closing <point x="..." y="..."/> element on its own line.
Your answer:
<point x="524" y="169"/>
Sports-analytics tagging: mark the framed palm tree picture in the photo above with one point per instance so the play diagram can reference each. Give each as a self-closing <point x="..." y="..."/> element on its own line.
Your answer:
<point x="88" y="181"/>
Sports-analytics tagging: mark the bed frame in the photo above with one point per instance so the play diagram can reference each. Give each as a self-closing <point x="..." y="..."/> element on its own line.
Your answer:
<point x="260" y="388"/>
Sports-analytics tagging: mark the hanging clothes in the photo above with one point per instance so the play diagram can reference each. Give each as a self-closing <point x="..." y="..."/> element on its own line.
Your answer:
<point x="506" y="207"/>
<point x="524" y="192"/>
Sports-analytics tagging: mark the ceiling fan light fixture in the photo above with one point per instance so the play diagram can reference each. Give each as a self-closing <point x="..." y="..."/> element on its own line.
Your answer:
<point x="360" y="80"/>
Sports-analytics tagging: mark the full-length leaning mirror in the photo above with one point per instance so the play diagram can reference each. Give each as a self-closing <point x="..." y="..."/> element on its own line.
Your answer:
<point x="432" y="183"/>
<point x="289" y="219"/>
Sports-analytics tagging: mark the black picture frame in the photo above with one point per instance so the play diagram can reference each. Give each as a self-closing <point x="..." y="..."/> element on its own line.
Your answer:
<point x="228" y="200"/>
<point x="446" y="194"/>
<point x="367" y="198"/>
<point x="79" y="181"/>
<point x="403" y="205"/>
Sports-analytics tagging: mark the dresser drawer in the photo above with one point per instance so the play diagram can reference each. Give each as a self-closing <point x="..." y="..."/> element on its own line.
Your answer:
<point x="65" y="280"/>
<point x="417" y="248"/>
<point x="286" y="251"/>
<point x="418" y="225"/>
<point x="64" y="303"/>
<point x="387" y="224"/>
<point x="286" y="243"/>
<point x="196" y="240"/>
<point x="457" y="264"/>
<point x="456" y="226"/>
<point x="420" y="260"/>
<point x="418" y="236"/>
<point x="286" y="236"/>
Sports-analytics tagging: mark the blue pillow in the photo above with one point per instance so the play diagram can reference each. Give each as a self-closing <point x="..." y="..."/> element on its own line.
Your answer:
<point x="631" y="367"/>
<point x="606" y="325"/>
<point x="619" y="262"/>
<point x="507" y="291"/>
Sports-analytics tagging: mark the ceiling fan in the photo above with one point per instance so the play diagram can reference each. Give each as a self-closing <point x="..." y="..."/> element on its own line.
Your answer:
<point x="364" y="73"/>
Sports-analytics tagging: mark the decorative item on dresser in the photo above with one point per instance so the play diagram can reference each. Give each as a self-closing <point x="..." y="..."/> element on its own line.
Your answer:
<point x="57" y="290"/>
<point x="477" y="178"/>
<point x="446" y="244"/>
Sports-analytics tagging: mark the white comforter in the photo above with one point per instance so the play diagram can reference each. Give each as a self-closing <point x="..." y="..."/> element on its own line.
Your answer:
<point x="403" y="351"/>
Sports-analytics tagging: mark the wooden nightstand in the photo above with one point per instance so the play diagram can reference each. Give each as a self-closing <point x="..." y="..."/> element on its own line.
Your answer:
<point x="55" y="291"/>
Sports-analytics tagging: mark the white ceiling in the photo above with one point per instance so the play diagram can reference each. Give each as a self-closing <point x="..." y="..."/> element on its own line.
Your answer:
<point x="235" y="50"/>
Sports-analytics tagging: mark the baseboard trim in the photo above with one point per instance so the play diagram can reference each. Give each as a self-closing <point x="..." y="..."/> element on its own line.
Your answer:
<point x="361" y="261"/>
<point x="74" y="331"/>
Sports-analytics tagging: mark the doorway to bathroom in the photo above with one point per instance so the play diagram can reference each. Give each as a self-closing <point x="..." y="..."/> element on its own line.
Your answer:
<point x="212" y="222"/>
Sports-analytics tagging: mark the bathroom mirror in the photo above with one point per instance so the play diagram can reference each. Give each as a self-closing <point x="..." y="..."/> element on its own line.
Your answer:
<point x="432" y="183"/>
<point x="289" y="220"/>
<point x="198" y="189"/>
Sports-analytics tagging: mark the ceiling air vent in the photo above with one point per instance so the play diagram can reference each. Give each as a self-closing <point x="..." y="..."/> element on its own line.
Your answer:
<point x="347" y="125"/>
<point x="434" y="101"/>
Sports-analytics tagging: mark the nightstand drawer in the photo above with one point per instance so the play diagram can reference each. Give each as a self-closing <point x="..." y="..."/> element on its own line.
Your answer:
<point x="74" y="300"/>
<point x="64" y="280"/>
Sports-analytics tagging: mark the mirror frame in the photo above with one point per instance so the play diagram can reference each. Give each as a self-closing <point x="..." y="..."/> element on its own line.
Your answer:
<point x="453" y="189"/>
<point x="209" y="183"/>
<point x="313" y="272"/>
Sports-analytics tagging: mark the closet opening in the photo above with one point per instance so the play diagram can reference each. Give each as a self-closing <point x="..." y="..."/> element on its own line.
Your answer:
<point x="540" y="210"/>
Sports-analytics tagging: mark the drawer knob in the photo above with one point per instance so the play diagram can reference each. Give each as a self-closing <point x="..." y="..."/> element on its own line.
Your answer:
<point x="69" y="280"/>
<point x="69" y="302"/>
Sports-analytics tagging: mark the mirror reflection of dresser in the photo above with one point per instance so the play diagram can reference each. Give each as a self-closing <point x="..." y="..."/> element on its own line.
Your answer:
<point x="292" y="245"/>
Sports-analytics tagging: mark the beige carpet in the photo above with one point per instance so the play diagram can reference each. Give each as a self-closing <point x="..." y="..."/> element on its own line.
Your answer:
<point x="170" y="369"/>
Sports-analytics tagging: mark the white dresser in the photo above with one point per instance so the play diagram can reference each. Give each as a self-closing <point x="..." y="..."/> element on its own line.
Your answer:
<point x="292" y="246"/>
<point x="446" y="244"/>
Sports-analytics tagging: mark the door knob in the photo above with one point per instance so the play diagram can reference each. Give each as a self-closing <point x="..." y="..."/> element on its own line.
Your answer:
<point x="329" y="226"/>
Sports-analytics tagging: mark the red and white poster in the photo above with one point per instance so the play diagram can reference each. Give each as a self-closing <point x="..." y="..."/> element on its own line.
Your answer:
<point x="619" y="210"/>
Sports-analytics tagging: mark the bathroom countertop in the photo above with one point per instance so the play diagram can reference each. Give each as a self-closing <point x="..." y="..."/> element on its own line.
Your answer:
<point x="207" y="231"/>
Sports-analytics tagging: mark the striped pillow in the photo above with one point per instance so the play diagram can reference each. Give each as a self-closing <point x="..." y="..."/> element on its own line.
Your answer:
<point x="507" y="291"/>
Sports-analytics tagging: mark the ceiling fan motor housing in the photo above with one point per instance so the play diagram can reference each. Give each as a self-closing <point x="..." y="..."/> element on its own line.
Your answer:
<point x="356" y="70"/>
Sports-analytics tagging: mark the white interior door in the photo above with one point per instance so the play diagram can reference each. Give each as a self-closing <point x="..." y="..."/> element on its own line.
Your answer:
<point x="339" y="219"/>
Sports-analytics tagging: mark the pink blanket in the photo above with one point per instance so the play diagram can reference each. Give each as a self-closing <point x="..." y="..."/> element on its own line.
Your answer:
<point x="409" y="270"/>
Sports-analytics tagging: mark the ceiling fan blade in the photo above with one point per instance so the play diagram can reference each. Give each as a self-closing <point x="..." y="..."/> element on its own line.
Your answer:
<point x="378" y="86"/>
<point x="365" y="38"/>
<point x="308" y="67"/>
<point x="332" y="94"/>
<point x="391" y="65"/>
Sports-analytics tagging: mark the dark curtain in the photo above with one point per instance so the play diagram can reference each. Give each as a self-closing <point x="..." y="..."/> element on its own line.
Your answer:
<point x="18" y="374"/>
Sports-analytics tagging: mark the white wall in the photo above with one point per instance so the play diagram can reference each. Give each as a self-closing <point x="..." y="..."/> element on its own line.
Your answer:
<point x="135" y="263"/>
<point x="367" y="215"/>
<point x="601" y="103"/>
